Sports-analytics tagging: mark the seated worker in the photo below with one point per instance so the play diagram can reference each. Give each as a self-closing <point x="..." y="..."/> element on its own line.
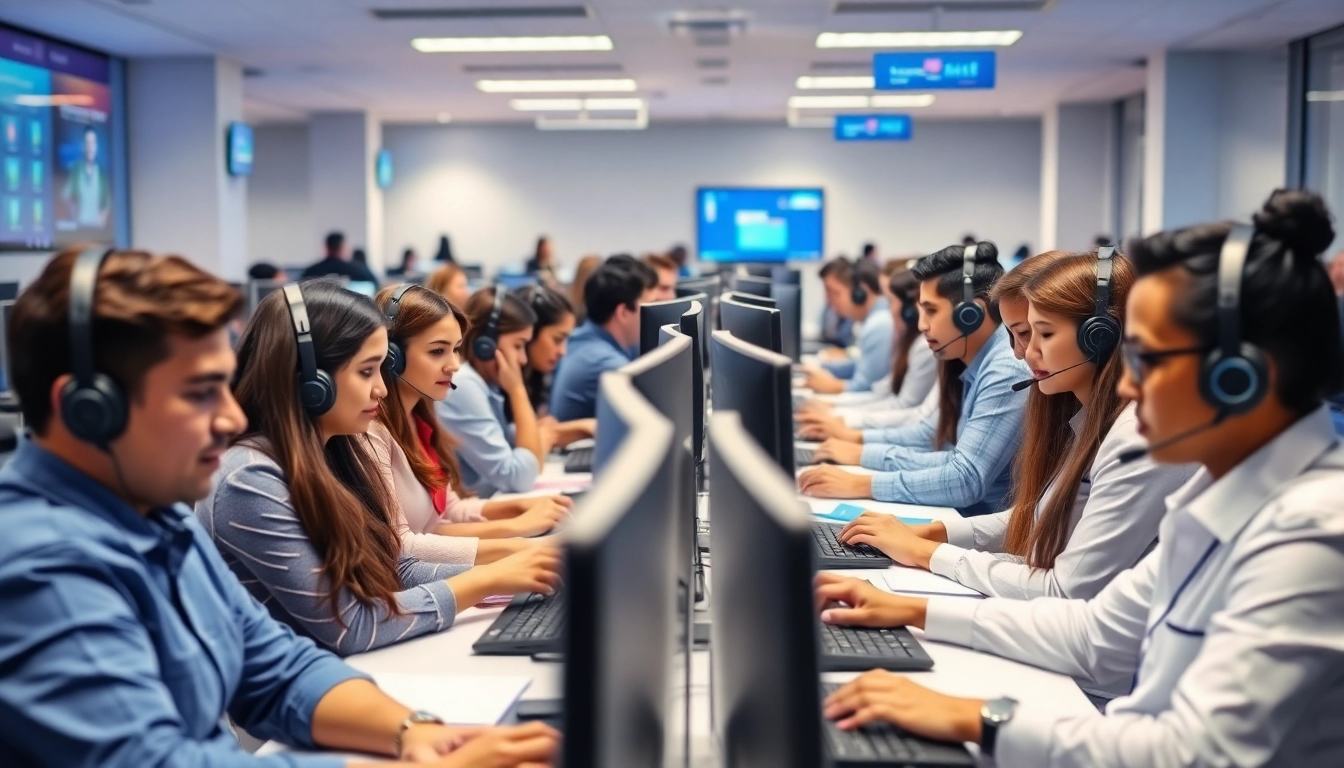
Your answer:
<point x="125" y="639"/>
<point x="1229" y="636"/>
<point x="338" y="262"/>
<point x="855" y="291"/>
<point x="962" y="456"/>
<point x="607" y="340"/>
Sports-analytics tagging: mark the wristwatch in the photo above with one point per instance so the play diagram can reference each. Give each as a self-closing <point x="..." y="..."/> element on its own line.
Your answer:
<point x="994" y="713"/>
<point x="418" y="717"/>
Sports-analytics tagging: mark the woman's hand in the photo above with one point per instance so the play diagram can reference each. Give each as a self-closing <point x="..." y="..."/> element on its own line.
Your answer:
<point x="848" y="602"/>
<point x="822" y="382"/>
<point x="542" y="517"/>
<point x="509" y="373"/>
<point x="534" y="569"/>
<point x="839" y="452"/>
<point x="880" y="696"/>
<point x="829" y="482"/>
<point x="894" y="538"/>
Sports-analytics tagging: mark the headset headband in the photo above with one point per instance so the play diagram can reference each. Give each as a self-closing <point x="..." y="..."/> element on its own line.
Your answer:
<point x="394" y="303"/>
<point x="83" y="286"/>
<point x="303" y="331"/>
<point x="968" y="273"/>
<point x="1105" y="262"/>
<point x="1231" y="262"/>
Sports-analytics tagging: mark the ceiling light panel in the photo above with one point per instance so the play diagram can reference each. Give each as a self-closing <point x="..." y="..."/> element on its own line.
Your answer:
<point x="989" y="38"/>
<point x="576" y="105"/>
<point x="485" y="12"/>
<point x="557" y="86"/>
<point x="859" y="82"/>
<point x="512" y="44"/>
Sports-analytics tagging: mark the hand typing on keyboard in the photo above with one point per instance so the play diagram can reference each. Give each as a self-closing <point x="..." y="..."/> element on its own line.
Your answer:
<point x="839" y="452"/>
<point x="880" y="696"/>
<point x="895" y="539"/>
<point x="855" y="602"/>
<point x="535" y="569"/>
<point x="829" y="482"/>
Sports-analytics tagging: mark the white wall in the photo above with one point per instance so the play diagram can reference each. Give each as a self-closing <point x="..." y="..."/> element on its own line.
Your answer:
<point x="1253" y="130"/>
<point x="280" y="215"/>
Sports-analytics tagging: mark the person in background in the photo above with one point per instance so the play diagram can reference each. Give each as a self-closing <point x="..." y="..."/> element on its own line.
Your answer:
<point x="300" y="510"/>
<point x="968" y="239"/>
<point x="450" y="282"/>
<point x="498" y="453"/>
<point x="1229" y="636"/>
<point x="415" y="454"/>
<point x="360" y="256"/>
<point x="445" y="251"/>
<point x="542" y="263"/>
<point x="264" y="271"/>
<point x="1337" y="273"/>
<point x="607" y="340"/>
<point x="869" y="253"/>
<point x="1080" y="513"/>
<point x="961" y="455"/>
<point x="337" y="262"/>
<point x="1022" y="253"/>
<point x="587" y="266"/>
<point x="681" y="257"/>
<point x="854" y="290"/>
<point x="126" y="639"/>
<point x="409" y="265"/>
<point x="837" y="331"/>
<point x="666" y="271"/>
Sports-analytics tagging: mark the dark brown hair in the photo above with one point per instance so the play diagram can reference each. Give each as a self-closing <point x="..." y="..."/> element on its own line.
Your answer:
<point x="441" y="278"/>
<point x="905" y="287"/>
<point x="1050" y="451"/>
<point x="336" y="488"/>
<point x="419" y="310"/>
<point x="514" y="316"/>
<point x="141" y="300"/>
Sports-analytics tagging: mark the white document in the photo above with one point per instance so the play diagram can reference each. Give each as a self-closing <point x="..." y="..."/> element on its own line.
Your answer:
<point x="916" y="581"/>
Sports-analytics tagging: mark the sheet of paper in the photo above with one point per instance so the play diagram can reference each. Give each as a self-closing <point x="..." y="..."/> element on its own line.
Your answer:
<point x="916" y="581"/>
<point x="843" y="513"/>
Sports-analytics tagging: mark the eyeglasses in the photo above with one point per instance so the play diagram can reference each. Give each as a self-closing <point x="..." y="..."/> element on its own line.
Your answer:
<point x="1139" y="362"/>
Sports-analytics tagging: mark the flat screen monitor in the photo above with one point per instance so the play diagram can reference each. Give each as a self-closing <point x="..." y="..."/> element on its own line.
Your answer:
<point x="58" y="136"/>
<point x="754" y="286"/>
<point x="755" y="383"/>
<point x="752" y="299"/>
<point x="656" y="314"/>
<point x="692" y="325"/>
<point x="752" y="324"/>
<point x="737" y="225"/>
<point x="619" y="651"/>
<point x="767" y="701"/>
<point x="710" y="286"/>
<point x="789" y="300"/>
<point x="786" y="275"/>
<point x="382" y="168"/>
<point x="240" y="149"/>
<point x="516" y="282"/>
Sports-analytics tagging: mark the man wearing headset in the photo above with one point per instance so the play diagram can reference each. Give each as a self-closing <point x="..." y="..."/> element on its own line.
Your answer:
<point x="125" y="639"/>
<point x="854" y="291"/>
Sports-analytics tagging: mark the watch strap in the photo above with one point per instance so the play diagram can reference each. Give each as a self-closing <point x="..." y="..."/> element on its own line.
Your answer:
<point x="418" y="717"/>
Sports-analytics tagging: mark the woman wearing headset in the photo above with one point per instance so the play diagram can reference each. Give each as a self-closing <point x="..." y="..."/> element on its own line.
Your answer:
<point x="415" y="454"/>
<point x="299" y="509"/>
<point x="550" y="338"/>
<point x="1079" y="515"/>
<point x="899" y="395"/>
<point x="498" y="453"/>
<point x="1231" y="632"/>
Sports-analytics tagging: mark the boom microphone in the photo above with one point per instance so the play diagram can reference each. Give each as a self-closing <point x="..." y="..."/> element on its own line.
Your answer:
<point x="1138" y="453"/>
<point x="1021" y="385"/>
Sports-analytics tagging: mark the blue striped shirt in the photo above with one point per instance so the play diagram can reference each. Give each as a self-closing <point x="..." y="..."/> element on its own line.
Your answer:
<point x="973" y="476"/>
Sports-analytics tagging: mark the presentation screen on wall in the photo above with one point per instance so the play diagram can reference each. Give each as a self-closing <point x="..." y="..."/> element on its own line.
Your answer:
<point x="55" y="143"/>
<point x="760" y="225"/>
<point x="383" y="168"/>
<point x="934" y="71"/>
<point x="240" y="149"/>
<point x="873" y="128"/>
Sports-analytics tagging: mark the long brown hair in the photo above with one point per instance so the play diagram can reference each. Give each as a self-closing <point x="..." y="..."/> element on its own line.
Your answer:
<point x="905" y="287"/>
<point x="587" y="266"/>
<point x="1050" y="451"/>
<point x="336" y="490"/>
<point x="441" y="278"/>
<point x="419" y="310"/>
<point x="514" y="315"/>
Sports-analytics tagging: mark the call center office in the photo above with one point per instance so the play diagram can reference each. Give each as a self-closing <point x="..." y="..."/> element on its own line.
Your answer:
<point x="627" y="385"/>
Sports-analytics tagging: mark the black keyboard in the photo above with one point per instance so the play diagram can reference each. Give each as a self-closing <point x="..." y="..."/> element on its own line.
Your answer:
<point x="579" y="460"/>
<point x="859" y="649"/>
<point x="883" y="744"/>
<point x="530" y="624"/>
<point x="831" y="553"/>
<point x="803" y="456"/>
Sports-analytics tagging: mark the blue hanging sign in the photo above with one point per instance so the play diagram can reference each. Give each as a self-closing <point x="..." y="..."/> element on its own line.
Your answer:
<point x="873" y="128"/>
<point x="933" y="71"/>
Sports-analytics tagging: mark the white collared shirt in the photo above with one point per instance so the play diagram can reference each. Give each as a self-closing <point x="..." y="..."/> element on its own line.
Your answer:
<point x="917" y="396"/>
<point x="1235" y="625"/>
<point x="1114" y="522"/>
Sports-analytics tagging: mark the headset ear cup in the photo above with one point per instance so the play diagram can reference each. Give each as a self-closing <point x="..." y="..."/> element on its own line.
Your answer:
<point x="318" y="395"/>
<point x="484" y="349"/>
<point x="909" y="313"/>
<point x="968" y="317"/>
<point x="96" y="414"/>
<point x="859" y="295"/>
<point x="1098" y="337"/>
<point x="1234" y="384"/>
<point x="395" y="360"/>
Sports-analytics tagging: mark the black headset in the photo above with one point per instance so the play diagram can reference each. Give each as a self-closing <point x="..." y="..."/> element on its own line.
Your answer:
<point x="1099" y="334"/>
<point x="858" y="292"/>
<point x="909" y="310"/>
<point x="1233" y="377"/>
<point x="968" y="316"/>
<point x="317" y="390"/>
<point x="396" y="356"/>
<point x="93" y="406"/>
<point x="487" y="343"/>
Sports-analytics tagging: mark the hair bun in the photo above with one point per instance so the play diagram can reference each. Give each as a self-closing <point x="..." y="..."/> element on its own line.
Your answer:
<point x="986" y="252"/>
<point x="1298" y="219"/>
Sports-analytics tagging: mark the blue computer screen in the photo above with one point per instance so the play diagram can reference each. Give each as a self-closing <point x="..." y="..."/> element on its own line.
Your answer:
<point x="240" y="149"/>
<point x="760" y="225"/>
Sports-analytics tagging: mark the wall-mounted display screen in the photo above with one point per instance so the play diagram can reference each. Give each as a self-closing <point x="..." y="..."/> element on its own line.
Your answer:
<point x="953" y="70"/>
<point x="382" y="168"/>
<point x="873" y="128"/>
<point x="240" y="149"/>
<point x="759" y="224"/>
<point x="56" y="185"/>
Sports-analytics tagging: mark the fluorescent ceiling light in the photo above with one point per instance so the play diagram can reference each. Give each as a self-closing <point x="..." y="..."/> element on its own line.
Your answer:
<point x="586" y="122"/>
<point x="917" y="39"/>
<point x="511" y="44"/>
<point x="556" y="86"/>
<point x="1311" y="96"/>
<point x="861" y="82"/>
<point x="880" y="101"/>
<point x="576" y="105"/>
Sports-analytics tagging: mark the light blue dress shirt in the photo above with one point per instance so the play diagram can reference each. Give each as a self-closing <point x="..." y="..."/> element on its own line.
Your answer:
<point x="874" y="338"/>
<point x="125" y="639"/>
<point x="474" y="415"/>
<point x="974" y="475"/>
<point x="592" y="352"/>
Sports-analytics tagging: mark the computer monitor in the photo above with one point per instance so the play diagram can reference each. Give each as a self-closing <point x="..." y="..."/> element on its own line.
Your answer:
<point x="618" y="572"/>
<point x="656" y="314"/>
<point x="766" y="675"/>
<point x="690" y="327"/>
<point x="258" y="290"/>
<point x="789" y="299"/>
<point x="362" y="287"/>
<point x="759" y="225"/>
<point x="752" y="324"/>
<point x="710" y="286"/>
<point x="752" y="299"/>
<point x="6" y="307"/>
<point x="663" y="377"/>
<point x="9" y="290"/>
<point x="755" y="286"/>
<point x="755" y="382"/>
<point x="786" y="275"/>
<point x="515" y="282"/>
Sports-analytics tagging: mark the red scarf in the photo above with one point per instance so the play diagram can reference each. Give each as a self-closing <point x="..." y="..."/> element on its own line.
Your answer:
<point x="426" y="435"/>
